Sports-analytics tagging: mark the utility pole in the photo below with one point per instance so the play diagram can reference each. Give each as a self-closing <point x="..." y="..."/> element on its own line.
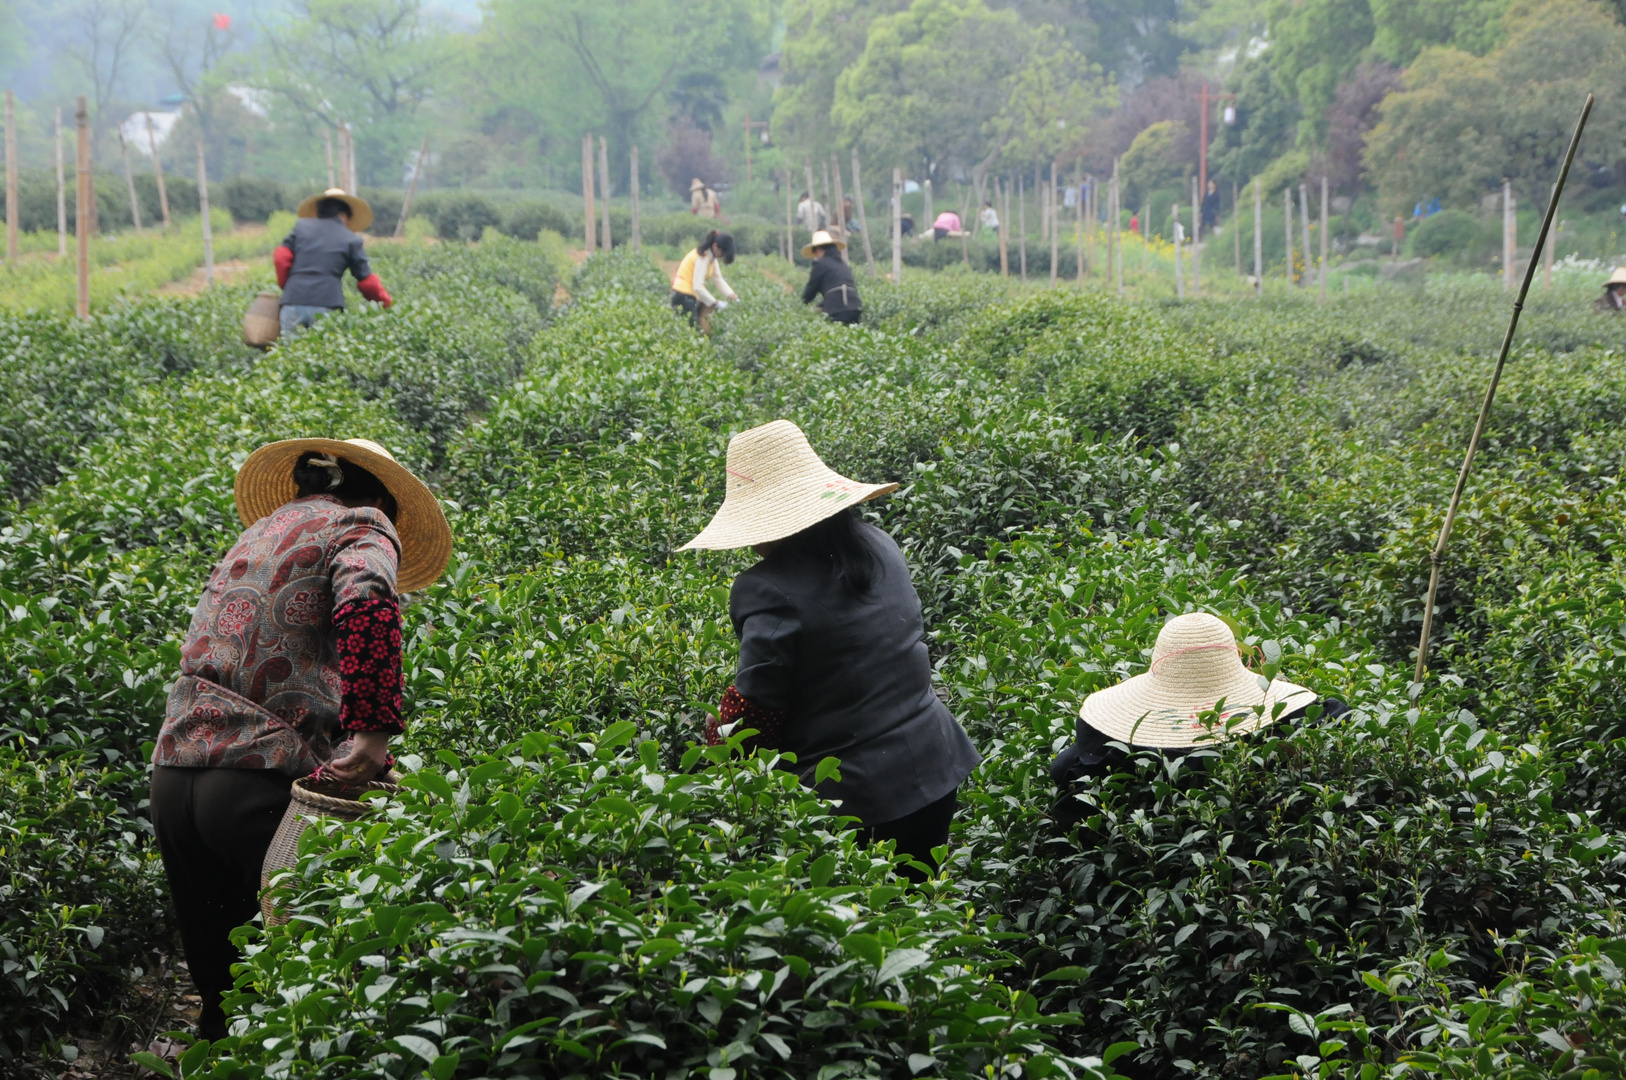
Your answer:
<point x="1055" y="225"/>
<point x="1202" y="159"/>
<point x="1002" y="193"/>
<point x="1304" y="220"/>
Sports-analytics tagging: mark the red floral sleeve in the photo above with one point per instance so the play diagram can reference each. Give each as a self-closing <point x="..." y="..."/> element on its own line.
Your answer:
<point x="737" y="708"/>
<point x="368" y="636"/>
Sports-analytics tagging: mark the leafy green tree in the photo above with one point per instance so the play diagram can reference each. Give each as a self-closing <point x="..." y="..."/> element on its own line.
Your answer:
<point x="1404" y="28"/>
<point x="1153" y="160"/>
<point x="1055" y="97"/>
<point x="822" y="39"/>
<point x="1266" y="119"/>
<point x="1316" y="45"/>
<point x="1465" y="122"/>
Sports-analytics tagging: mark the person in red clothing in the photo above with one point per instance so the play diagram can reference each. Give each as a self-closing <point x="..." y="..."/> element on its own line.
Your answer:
<point x="292" y="664"/>
<point x="313" y="257"/>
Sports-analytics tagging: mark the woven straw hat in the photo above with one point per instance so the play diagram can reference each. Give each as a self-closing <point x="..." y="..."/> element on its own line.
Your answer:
<point x="696" y="184"/>
<point x="1194" y="666"/>
<point x="1616" y="278"/>
<point x="777" y="486"/>
<point x="361" y="215"/>
<point x="822" y="239"/>
<point x="266" y="482"/>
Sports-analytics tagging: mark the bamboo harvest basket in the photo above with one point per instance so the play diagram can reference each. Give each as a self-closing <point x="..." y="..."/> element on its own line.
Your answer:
<point x="262" y="323"/>
<point x="308" y="803"/>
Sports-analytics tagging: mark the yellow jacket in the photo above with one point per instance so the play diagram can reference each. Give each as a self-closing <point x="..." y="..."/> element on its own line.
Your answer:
<point x="692" y="274"/>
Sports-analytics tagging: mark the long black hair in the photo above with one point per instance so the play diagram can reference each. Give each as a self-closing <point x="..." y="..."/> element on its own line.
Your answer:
<point x="332" y="208"/>
<point x="839" y="543"/>
<point x="724" y="242"/>
<point x="345" y="480"/>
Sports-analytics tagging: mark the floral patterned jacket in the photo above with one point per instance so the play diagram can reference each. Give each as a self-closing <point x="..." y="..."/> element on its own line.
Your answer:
<point x="297" y="637"/>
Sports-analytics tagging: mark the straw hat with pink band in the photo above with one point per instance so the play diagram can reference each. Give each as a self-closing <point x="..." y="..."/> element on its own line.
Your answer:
<point x="777" y="486"/>
<point x="1195" y="668"/>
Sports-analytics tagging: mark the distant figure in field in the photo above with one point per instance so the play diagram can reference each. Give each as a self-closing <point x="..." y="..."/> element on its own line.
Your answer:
<point x="312" y="259"/>
<point x="705" y="262"/>
<point x="1211" y="207"/>
<point x="989" y="216"/>
<point x="849" y="215"/>
<point x="1134" y="222"/>
<point x="1195" y="693"/>
<point x="832" y="280"/>
<point x="1614" y="293"/>
<point x="810" y="214"/>
<point x="906" y="225"/>
<point x="703" y="201"/>
<point x="947" y="224"/>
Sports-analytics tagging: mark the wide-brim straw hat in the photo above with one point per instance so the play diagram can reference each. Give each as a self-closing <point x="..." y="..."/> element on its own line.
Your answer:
<point x="266" y="482"/>
<point x="1616" y="278"/>
<point x="361" y="215"/>
<point x="822" y="238"/>
<point x="696" y="184"/>
<point x="1195" y="668"/>
<point x="777" y="486"/>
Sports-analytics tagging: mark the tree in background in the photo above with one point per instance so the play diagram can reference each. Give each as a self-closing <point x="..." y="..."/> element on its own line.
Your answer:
<point x="193" y="50"/>
<point x="1404" y="28"/>
<point x="1351" y="117"/>
<point x="1316" y="45"/>
<point x="1464" y="122"/>
<point x="370" y="63"/>
<point x="1266" y="122"/>
<point x="108" y="33"/>
<point x="823" y="38"/>
<point x="1154" y="161"/>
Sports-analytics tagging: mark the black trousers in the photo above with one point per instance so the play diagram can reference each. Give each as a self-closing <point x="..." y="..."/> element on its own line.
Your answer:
<point x="917" y="833"/>
<point x="213" y="827"/>
<point x="850" y="318"/>
<point x="688" y="305"/>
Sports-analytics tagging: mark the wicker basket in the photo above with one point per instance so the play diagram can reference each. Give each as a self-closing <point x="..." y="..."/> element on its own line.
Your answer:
<point x="262" y="323"/>
<point x="309" y="802"/>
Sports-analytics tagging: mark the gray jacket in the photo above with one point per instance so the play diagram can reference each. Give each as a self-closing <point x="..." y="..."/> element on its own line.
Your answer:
<point x="853" y="674"/>
<point x="323" y="250"/>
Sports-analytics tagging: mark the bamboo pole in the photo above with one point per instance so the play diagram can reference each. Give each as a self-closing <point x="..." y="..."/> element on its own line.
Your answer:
<point x="863" y="222"/>
<point x="830" y="212"/>
<point x="926" y="196"/>
<point x="1196" y="239"/>
<point x="604" y="187"/>
<point x="158" y="169"/>
<point x="327" y="150"/>
<point x="587" y="193"/>
<point x="965" y="243"/>
<point x="1546" y="263"/>
<point x="1022" y="226"/>
<point x="1258" y="239"/>
<point x="1179" y="262"/>
<point x="1304" y="224"/>
<point x="1117" y="226"/>
<point x="203" y="208"/>
<point x="1080" y="217"/>
<point x="840" y="209"/>
<point x="1055" y="226"/>
<point x="129" y="183"/>
<point x="1323" y="272"/>
<point x="1287" y="207"/>
<point x="12" y="254"/>
<point x="81" y="209"/>
<point x="1002" y="193"/>
<point x="1146" y="236"/>
<point x="1236" y="225"/>
<point x="62" y="192"/>
<point x="1438" y="554"/>
<point x="412" y="188"/>
<point x="1510" y="247"/>
<point x="812" y="199"/>
<point x="790" y="219"/>
<point x="632" y="189"/>
<point x="897" y="225"/>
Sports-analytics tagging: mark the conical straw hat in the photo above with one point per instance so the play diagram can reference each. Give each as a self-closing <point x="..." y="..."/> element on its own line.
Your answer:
<point x="266" y="482"/>
<point x="777" y="486"/>
<point x="1195" y="666"/>
<point x="821" y="239"/>
<point x="1616" y="278"/>
<point x="361" y="215"/>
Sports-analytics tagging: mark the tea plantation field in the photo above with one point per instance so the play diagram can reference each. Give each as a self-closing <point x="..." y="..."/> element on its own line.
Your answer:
<point x="571" y="885"/>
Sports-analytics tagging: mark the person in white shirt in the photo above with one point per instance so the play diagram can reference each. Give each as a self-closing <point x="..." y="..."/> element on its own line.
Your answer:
<point x="989" y="217"/>
<point x="811" y="215"/>
<point x="705" y="262"/>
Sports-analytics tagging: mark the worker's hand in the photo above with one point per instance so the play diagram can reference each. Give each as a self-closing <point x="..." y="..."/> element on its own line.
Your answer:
<point x="368" y="757"/>
<point x="721" y="304"/>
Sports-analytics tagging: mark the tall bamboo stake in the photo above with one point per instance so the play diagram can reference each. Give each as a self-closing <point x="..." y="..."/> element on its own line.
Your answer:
<point x="1323" y="272"/>
<point x="1179" y="261"/>
<point x="1080" y="216"/>
<point x="1117" y="226"/>
<point x="1510" y="247"/>
<point x="327" y="150"/>
<point x="1236" y="225"/>
<point x="1002" y="193"/>
<point x="790" y="220"/>
<point x="863" y="223"/>
<point x="1055" y="225"/>
<point x="587" y="192"/>
<point x="203" y="208"/>
<point x="1304" y="222"/>
<point x="840" y="208"/>
<point x="158" y="169"/>
<point x="604" y="187"/>
<point x="632" y="189"/>
<point x="1287" y="209"/>
<point x="897" y="225"/>
<point x="129" y="182"/>
<point x="11" y="179"/>
<point x="812" y="199"/>
<point x="1196" y="239"/>
<point x="1258" y="239"/>
<point x="62" y="192"/>
<point x="81" y="209"/>
<point x="1022" y="227"/>
<point x="412" y="188"/>
<point x="1438" y="554"/>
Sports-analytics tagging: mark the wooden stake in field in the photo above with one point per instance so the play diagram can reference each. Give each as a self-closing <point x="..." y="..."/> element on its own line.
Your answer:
<point x="1304" y="222"/>
<point x="632" y="189"/>
<point x="1323" y="273"/>
<point x="158" y="168"/>
<point x="840" y="209"/>
<point x="1055" y="226"/>
<point x="129" y="182"/>
<point x="1179" y="263"/>
<point x="1022" y="226"/>
<point x="965" y="233"/>
<point x="604" y="187"/>
<point x="1118" y="226"/>
<point x="1546" y="262"/>
<point x="1258" y="239"/>
<point x="1079" y="217"/>
<point x="926" y="212"/>
<point x="412" y="188"/>
<point x="1510" y="250"/>
<point x="1196" y="240"/>
<point x="1146" y="236"/>
<point x="11" y="179"/>
<point x="587" y="192"/>
<point x="1002" y="192"/>
<point x="62" y="192"/>
<point x="81" y="209"/>
<point x="1287" y="209"/>
<point x="203" y="209"/>
<point x="812" y="200"/>
<point x="790" y="219"/>
<point x="863" y="223"/>
<point x="897" y="225"/>
<point x="1236" y="225"/>
<point x="830" y="212"/>
<point x="1438" y="554"/>
<point x="327" y="150"/>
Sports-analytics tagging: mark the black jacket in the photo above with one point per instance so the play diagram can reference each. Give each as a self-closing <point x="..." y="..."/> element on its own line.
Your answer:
<point x="853" y="674"/>
<point x="323" y="250"/>
<point x="834" y="279"/>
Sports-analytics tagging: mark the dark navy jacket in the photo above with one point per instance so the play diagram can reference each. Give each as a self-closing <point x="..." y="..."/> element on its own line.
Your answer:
<point x="834" y="279"/>
<point x="853" y="674"/>
<point x="323" y="250"/>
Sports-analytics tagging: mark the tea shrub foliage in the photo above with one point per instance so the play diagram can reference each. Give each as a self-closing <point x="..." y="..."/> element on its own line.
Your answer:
<point x="569" y="885"/>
